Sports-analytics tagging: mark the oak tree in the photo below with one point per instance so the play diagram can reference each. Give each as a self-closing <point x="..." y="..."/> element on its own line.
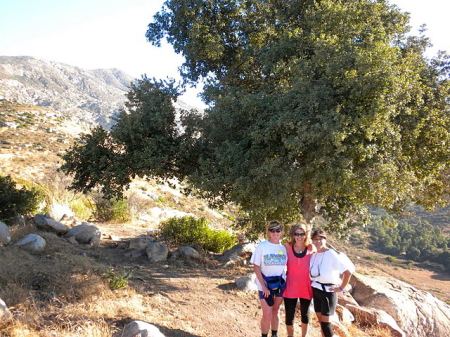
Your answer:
<point x="315" y="107"/>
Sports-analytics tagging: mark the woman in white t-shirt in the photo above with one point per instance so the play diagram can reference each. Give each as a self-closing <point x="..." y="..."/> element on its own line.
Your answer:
<point x="325" y="269"/>
<point x="269" y="261"/>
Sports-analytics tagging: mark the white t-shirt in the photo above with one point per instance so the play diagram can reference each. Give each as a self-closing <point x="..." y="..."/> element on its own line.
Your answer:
<point x="271" y="258"/>
<point x="326" y="267"/>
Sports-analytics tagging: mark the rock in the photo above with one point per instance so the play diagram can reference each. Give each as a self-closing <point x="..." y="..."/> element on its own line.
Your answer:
<point x="140" y="329"/>
<point x="189" y="251"/>
<point x="232" y="260"/>
<point x="156" y="251"/>
<point x="47" y="223"/>
<point x="372" y="316"/>
<point x="85" y="233"/>
<point x="345" y="315"/>
<point x="40" y="220"/>
<point x="5" y="314"/>
<point x="247" y="283"/>
<point x="56" y="226"/>
<point x="340" y="329"/>
<point x="241" y="249"/>
<point x="69" y="221"/>
<point x="237" y="253"/>
<point x="5" y="234"/>
<point x="135" y="253"/>
<point x="346" y="298"/>
<point x="140" y="242"/>
<point x="416" y="312"/>
<point x="32" y="242"/>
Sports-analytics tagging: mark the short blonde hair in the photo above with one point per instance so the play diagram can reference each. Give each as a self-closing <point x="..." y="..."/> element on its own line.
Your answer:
<point x="299" y="225"/>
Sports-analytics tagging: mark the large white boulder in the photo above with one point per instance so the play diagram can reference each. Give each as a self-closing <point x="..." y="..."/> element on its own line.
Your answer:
<point x="418" y="313"/>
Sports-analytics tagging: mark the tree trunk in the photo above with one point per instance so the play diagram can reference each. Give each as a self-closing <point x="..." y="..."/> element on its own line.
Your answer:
<point x="308" y="205"/>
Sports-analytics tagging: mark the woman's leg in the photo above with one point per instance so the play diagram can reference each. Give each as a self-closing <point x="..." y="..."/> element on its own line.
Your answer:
<point x="329" y="303"/>
<point x="275" y="313"/>
<point x="318" y="297"/>
<point x="304" y="310"/>
<point x="289" y="307"/>
<point x="266" y="318"/>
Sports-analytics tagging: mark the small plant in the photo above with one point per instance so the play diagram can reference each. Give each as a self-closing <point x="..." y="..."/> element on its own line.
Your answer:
<point x="117" y="280"/>
<point x="114" y="209"/>
<point x="371" y="258"/>
<point x="190" y="230"/>
<point x="391" y="259"/>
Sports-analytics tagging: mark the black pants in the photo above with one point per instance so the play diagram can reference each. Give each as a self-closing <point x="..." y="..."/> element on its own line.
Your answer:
<point x="324" y="302"/>
<point x="290" y="305"/>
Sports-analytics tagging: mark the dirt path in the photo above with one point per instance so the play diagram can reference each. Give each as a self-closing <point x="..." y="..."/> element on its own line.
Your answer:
<point x="187" y="298"/>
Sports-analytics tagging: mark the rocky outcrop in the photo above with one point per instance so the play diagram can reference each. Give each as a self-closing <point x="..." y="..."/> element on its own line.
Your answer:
<point x="417" y="312"/>
<point x="376" y="317"/>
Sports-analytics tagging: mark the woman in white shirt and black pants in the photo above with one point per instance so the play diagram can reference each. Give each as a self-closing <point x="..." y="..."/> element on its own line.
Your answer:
<point x="325" y="269"/>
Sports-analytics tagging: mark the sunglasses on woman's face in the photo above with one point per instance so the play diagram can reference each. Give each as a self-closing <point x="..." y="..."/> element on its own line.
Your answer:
<point x="299" y="234"/>
<point x="275" y="230"/>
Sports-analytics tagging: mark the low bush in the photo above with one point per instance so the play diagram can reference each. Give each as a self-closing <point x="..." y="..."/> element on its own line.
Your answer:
<point x="82" y="207"/>
<point x="15" y="201"/>
<point x="189" y="230"/>
<point x="391" y="259"/>
<point x="112" y="210"/>
<point x="117" y="280"/>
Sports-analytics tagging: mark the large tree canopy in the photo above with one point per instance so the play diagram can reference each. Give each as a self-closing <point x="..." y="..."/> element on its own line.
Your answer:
<point x="314" y="107"/>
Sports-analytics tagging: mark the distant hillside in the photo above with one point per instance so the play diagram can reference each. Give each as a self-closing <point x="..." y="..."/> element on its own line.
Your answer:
<point x="87" y="97"/>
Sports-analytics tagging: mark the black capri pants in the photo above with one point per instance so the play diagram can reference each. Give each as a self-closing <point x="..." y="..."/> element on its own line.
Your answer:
<point x="289" y="306"/>
<point x="324" y="302"/>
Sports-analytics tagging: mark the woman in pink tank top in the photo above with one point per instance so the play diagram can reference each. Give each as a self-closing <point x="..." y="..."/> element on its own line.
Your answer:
<point x="298" y="283"/>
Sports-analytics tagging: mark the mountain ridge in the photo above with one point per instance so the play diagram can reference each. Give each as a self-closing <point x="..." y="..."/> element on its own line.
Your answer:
<point x="89" y="97"/>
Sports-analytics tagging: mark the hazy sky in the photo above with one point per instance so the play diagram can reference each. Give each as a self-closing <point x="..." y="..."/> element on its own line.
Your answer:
<point x="111" y="33"/>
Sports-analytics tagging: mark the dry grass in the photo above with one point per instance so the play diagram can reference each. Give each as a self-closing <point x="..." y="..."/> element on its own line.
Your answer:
<point x="61" y="292"/>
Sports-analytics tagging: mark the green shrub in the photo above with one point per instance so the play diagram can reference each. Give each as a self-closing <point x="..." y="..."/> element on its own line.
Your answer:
<point x="14" y="201"/>
<point x="189" y="230"/>
<point x="218" y="241"/>
<point x="391" y="259"/>
<point x="112" y="210"/>
<point x="82" y="208"/>
<point x="117" y="280"/>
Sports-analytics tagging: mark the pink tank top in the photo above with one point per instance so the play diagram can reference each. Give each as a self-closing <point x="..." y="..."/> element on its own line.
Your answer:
<point x="298" y="283"/>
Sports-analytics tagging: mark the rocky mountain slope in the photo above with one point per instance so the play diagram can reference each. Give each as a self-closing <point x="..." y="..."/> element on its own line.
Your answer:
<point x="87" y="97"/>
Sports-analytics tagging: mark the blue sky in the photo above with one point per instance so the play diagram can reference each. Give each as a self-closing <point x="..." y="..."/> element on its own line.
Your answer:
<point x="111" y="33"/>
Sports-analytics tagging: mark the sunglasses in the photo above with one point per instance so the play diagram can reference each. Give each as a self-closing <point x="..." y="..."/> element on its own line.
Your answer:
<point x="299" y="234"/>
<point x="275" y="230"/>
